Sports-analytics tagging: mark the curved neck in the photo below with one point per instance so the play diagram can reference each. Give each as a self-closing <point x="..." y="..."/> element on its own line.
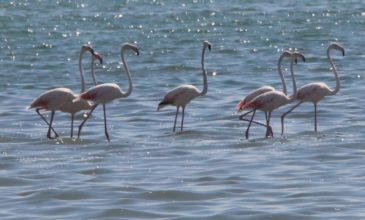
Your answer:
<point x="281" y="75"/>
<point x="130" y="86"/>
<point x="81" y="72"/>
<point x="337" y="88"/>
<point x="205" y="78"/>
<point x="92" y="70"/>
<point x="293" y="79"/>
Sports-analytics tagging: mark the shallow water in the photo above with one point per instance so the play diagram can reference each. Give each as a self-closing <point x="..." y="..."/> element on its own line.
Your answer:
<point x="208" y="171"/>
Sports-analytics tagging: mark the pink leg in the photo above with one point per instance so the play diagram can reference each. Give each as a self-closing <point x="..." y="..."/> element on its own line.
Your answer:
<point x="50" y="127"/>
<point x="105" y="126"/>
<point x="269" y="133"/>
<point x="182" y="119"/>
<point x="177" y="112"/>
<point x="286" y="113"/>
<point x="315" y="116"/>
<point x="249" y="124"/>
<point x="72" y="125"/>
<point x="37" y="110"/>
<point x="83" y="122"/>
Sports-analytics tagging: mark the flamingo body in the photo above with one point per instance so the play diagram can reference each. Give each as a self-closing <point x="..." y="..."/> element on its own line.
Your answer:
<point x="179" y="96"/>
<point x="313" y="92"/>
<point x="268" y="101"/>
<point x="53" y="99"/>
<point x="252" y="95"/>
<point x="102" y="93"/>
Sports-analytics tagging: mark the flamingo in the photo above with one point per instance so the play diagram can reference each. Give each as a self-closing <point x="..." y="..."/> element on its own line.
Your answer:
<point x="183" y="94"/>
<point x="107" y="92"/>
<point x="53" y="100"/>
<point x="264" y="89"/>
<point x="75" y="106"/>
<point x="314" y="92"/>
<point x="269" y="101"/>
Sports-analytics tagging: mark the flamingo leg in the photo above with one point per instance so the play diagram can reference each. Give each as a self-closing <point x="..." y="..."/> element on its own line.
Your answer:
<point x="315" y="116"/>
<point x="182" y="120"/>
<point x="177" y="112"/>
<point x="83" y="122"/>
<point x="242" y="116"/>
<point x="37" y="110"/>
<point x="258" y="123"/>
<point x="286" y="113"/>
<point x="72" y="124"/>
<point x="105" y="126"/>
<point x="269" y="133"/>
<point x="249" y="124"/>
<point x="50" y="127"/>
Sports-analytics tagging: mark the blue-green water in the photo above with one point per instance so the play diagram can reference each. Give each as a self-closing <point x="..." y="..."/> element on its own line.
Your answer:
<point x="209" y="171"/>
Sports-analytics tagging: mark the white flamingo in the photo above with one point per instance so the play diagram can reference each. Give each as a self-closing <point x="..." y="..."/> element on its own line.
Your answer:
<point x="107" y="92"/>
<point x="269" y="101"/>
<point x="314" y="92"/>
<point x="264" y="89"/>
<point x="182" y="95"/>
<point x="54" y="99"/>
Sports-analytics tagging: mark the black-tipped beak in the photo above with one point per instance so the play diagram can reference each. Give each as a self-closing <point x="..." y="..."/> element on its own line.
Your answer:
<point x="209" y="47"/>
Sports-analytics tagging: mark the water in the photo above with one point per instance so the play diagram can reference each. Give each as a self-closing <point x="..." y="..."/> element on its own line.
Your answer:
<point x="209" y="171"/>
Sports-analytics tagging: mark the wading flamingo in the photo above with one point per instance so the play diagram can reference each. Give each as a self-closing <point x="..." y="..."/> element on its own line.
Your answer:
<point x="107" y="92"/>
<point x="182" y="95"/>
<point x="269" y="101"/>
<point x="314" y="92"/>
<point x="75" y="106"/>
<point x="264" y="89"/>
<point x="53" y="100"/>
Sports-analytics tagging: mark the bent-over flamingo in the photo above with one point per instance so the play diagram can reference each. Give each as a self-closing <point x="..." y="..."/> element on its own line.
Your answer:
<point x="182" y="95"/>
<point x="314" y="92"/>
<point x="106" y="92"/>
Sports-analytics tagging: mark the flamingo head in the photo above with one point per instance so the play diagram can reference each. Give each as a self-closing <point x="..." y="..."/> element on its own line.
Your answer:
<point x="297" y="55"/>
<point x="208" y="45"/>
<point x="87" y="47"/>
<point x="97" y="56"/>
<point x="131" y="46"/>
<point x="337" y="46"/>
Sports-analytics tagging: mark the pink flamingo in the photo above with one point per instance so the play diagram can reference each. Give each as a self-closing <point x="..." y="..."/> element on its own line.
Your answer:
<point x="269" y="101"/>
<point x="107" y="92"/>
<point x="75" y="106"/>
<point x="264" y="89"/>
<point x="314" y="92"/>
<point x="54" y="99"/>
<point x="182" y="95"/>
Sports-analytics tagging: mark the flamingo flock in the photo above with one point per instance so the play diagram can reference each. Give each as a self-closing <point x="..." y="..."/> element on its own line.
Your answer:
<point x="265" y="99"/>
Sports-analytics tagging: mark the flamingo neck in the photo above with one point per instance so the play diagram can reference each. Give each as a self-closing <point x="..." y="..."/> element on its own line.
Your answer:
<point x="205" y="78"/>
<point x="81" y="71"/>
<point x="92" y="70"/>
<point x="293" y="79"/>
<point x="337" y="88"/>
<point x="130" y="86"/>
<point x="281" y="75"/>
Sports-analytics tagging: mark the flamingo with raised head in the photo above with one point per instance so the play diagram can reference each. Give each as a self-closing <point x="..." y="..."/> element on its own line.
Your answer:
<point x="53" y="99"/>
<point x="107" y="92"/>
<point x="264" y="89"/>
<point x="75" y="106"/>
<point x="314" y="92"/>
<point x="269" y="101"/>
<point x="182" y="95"/>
